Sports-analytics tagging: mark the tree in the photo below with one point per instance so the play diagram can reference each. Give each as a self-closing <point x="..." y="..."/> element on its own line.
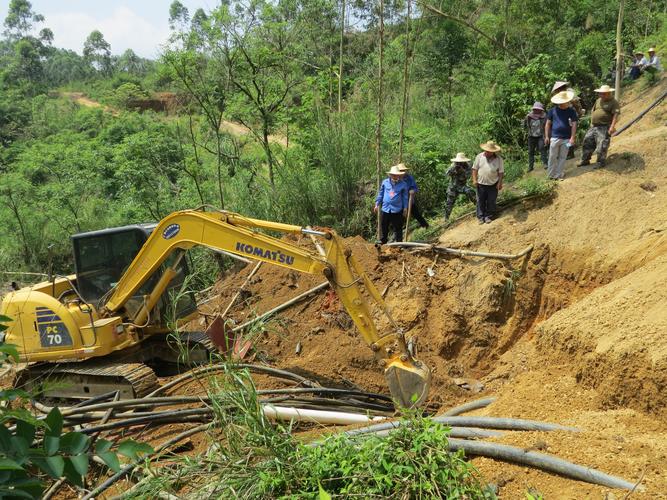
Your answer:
<point x="178" y="16"/>
<point x="20" y="18"/>
<point x="97" y="51"/>
<point x="258" y="46"/>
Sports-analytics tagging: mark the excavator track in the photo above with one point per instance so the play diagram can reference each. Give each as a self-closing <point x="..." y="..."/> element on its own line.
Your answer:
<point x="88" y="379"/>
<point x="131" y="377"/>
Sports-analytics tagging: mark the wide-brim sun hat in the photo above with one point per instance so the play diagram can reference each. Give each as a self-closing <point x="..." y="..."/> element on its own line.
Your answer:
<point x="403" y="167"/>
<point x="460" y="158"/>
<point x="652" y="49"/>
<point x="604" y="89"/>
<point x="490" y="146"/>
<point x="395" y="170"/>
<point x="538" y="105"/>
<point x="563" y="97"/>
<point x="558" y="85"/>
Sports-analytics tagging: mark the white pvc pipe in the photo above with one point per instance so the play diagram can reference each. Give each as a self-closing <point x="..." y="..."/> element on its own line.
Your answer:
<point x="316" y="416"/>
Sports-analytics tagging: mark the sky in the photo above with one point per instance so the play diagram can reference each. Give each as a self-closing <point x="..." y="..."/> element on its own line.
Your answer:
<point x="142" y="25"/>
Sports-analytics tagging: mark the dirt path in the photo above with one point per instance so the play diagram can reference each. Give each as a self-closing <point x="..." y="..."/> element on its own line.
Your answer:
<point x="236" y="129"/>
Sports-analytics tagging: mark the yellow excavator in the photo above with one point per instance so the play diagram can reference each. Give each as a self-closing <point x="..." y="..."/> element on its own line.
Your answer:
<point x="94" y="331"/>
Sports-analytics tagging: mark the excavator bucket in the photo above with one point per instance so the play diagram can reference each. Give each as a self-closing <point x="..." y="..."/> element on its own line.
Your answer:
<point x="408" y="381"/>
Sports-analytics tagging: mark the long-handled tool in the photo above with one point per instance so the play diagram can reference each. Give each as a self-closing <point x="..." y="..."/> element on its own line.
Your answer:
<point x="411" y="199"/>
<point x="379" y="231"/>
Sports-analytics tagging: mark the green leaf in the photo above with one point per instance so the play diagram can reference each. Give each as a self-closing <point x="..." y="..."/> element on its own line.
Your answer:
<point x="54" y="421"/>
<point x="20" y="447"/>
<point x="51" y="444"/>
<point x="27" y="487"/>
<point x="80" y="463"/>
<point x="111" y="459"/>
<point x="5" y="319"/>
<point x="12" y="394"/>
<point x="323" y="494"/>
<point x="134" y="450"/>
<point x="26" y="430"/>
<point x="74" y="443"/>
<point x="53" y="466"/>
<point x="75" y="468"/>
<point x="102" y="445"/>
<point x="10" y="350"/>
<point x="7" y="464"/>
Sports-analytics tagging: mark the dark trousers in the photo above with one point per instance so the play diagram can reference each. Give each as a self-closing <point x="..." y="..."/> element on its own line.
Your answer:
<point x="396" y="223"/>
<point x="536" y="144"/>
<point x="486" y="200"/>
<point x="417" y="215"/>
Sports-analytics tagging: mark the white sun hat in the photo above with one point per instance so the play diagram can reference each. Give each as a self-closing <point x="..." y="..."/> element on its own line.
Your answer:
<point x="604" y="89"/>
<point x="460" y="158"/>
<point x="396" y="170"/>
<point x="563" y="97"/>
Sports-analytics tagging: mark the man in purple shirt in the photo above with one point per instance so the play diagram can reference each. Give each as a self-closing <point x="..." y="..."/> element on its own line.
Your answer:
<point x="391" y="204"/>
<point x="560" y="132"/>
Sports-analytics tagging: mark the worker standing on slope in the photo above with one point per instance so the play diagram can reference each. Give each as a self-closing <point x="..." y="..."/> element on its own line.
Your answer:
<point x="604" y="116"/>
<point x="391" y="204"/>
<point x="487" y="176"/>
<point x="534" y="125"/>
<point x="412" y="190"/>
<point x="560" y="132"/>
<point x="459" y="173"/>
<point x="562" y="86"/>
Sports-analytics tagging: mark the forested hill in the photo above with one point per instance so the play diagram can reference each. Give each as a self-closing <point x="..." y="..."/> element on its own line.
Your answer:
<point x="328" y="92"/>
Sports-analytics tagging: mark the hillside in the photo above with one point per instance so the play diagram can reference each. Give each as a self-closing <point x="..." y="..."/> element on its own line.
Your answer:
<point x="580" y="341"/>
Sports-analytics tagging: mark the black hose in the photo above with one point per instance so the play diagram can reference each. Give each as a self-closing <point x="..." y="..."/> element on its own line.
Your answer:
<point x="516" y="424"/>
<point x="129" y="468"/>
<point x="540" y="461"/>
<point x="225" y="366"/>
<point x="469" y="406"/>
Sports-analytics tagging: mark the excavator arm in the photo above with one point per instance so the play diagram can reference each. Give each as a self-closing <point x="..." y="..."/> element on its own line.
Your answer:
<point x="408" y="379"/>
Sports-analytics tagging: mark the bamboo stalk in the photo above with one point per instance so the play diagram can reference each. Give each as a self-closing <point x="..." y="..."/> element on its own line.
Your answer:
<point x="247" y="280"/>
<point x="461" y="253"/>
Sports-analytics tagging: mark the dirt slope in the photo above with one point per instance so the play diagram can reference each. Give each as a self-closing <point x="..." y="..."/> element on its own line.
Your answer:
<point x="574" y="334"/>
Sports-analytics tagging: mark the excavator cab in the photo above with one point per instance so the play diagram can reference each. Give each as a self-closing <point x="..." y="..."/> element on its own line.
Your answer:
<point x="101" y="257"/>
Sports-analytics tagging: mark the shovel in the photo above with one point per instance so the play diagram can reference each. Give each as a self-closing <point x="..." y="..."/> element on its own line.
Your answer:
<point x="407" y="219"/>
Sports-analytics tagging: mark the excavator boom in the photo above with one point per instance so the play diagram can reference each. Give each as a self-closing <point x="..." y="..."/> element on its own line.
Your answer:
<point x="408" y="379"/>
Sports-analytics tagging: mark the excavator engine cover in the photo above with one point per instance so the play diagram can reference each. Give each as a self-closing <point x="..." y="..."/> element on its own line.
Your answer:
<point x="408" y="381"/>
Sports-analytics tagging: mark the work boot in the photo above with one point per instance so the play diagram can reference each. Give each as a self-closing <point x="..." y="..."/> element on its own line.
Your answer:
<point x="488" y="220"/>
<point x="583" y="163"/>
<point x="599" y="164"/>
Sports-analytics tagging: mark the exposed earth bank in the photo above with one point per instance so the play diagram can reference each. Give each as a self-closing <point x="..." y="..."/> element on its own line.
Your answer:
<point x="575" y="333"/>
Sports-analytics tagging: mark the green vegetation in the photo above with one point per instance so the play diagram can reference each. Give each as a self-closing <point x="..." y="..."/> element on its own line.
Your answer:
<point x="255" y="458"/>
<point x="274" y="67"/>
<point x="33" y="450"/>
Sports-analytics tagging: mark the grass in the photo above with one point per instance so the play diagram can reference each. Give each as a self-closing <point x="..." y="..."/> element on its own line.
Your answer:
<point x="254" y="458"/>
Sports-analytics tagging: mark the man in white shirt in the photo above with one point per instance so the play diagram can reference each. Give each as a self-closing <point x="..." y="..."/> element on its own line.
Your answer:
<point x="652" y="63"/>
<point x="487" y="177"/>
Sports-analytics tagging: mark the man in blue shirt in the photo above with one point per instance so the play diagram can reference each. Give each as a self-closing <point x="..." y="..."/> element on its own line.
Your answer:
<point x="391" y="204"/>
<point x="413" y="189"/>
<point x="559" y="132"/>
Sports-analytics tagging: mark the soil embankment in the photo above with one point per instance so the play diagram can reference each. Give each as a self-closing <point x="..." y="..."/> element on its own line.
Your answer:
<point x="574" y="334"/>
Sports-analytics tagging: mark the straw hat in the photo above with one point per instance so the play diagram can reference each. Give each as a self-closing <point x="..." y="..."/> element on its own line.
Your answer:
<point x="538" y="105"/>
<point x="490" y="146"/>
<point x="652" y="49"/>
<point x="460" y="158"/>
<point x="563" y="97"/>
<point x="639" y="53"/>
<point x="558" y="85"/>
<point x="396" y="170"/>
<point x="403" y="167"/>
<point x="604" y="89"/>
